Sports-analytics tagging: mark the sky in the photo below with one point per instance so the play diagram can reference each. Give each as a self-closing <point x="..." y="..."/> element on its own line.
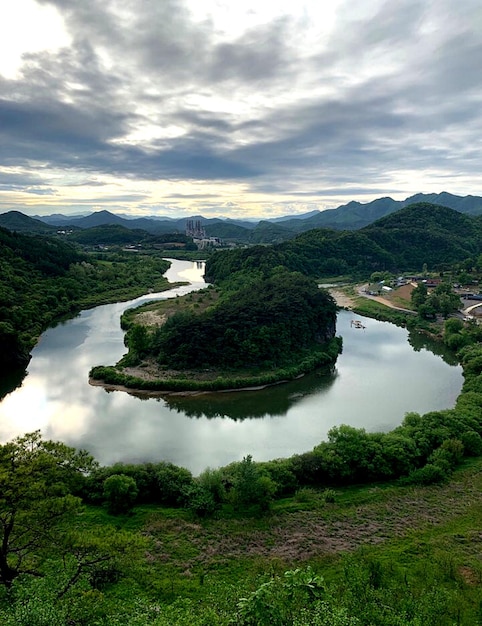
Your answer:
<point x="252" y="109"/>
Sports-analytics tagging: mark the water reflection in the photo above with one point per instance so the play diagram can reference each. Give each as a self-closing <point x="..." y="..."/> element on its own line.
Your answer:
<point x="240" y="405"/>
<point x="378" y="378"/>
<point x="421" y="341"/>
<point x="11" y="381"/>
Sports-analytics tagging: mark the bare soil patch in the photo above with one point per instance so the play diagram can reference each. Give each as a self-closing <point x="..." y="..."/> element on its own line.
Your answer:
<point x="330" y="530"/>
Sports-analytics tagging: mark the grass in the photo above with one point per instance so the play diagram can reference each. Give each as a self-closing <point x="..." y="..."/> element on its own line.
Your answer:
<point x="197" y="302"/>
<point x="375" y="544"/>
<point x="412" y="530"/>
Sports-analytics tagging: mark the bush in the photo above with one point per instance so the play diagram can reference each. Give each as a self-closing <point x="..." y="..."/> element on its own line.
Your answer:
<point x="212" y="481"/>
<point x="173" y="483"/>
<point x="472" y="443"/>
<point x="281" y="473"/>
<point x="430" y="474"/>
<point x="251" y="486"/>
<point x="200" y="501"/>
<point x="120" y="492"/>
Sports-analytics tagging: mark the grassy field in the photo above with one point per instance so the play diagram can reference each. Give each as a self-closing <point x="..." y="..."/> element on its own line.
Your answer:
<point x="407" y="541"/>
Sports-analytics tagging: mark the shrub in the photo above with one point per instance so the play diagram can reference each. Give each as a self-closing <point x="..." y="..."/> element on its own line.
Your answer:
<point x="200" y="500"/>
<point x="120" y="492"/>
<point x="212" y="481"/>
<point x="251" y="486"/>
<point x="428" y="475"/>
<point x="173" y="483"/>
<point x="472" y="443"/>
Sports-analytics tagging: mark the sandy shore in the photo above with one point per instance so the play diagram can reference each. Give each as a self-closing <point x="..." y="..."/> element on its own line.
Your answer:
<point x="341" y="298"/>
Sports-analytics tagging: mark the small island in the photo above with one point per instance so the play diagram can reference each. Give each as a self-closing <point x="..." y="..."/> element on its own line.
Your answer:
<point x="251" y="333"/>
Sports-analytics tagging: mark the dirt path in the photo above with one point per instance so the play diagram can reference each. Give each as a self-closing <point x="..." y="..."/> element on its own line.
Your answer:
<point x="348" y="302"/>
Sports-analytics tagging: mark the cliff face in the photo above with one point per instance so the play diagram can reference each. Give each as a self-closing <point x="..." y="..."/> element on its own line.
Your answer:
<point x="328" y="331"/>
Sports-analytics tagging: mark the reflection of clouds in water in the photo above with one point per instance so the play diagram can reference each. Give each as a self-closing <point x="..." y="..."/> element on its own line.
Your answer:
<point x="24" y="412"/>
<point x="377" y="379"/>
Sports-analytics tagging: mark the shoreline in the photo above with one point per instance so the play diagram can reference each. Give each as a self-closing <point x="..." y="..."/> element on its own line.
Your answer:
<point x="150" y="393"/>
<point x="341" y="298"/>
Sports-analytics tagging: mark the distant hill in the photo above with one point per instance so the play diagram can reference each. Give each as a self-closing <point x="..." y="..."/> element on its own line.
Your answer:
<point x="427" y="233"/>
<point x="403" y="241"/>
<point x="18" y="222"/>
<point x="351" y="216"/>
<point x="108" y="234"/>
<point x="354" y="215"/>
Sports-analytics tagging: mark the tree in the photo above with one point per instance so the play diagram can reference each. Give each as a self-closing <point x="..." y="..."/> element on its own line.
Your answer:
<point x="419" y="295"/>
<point x="251" y="485"/>
<point x="37" y="479"/>
<point x="120" y="491"/>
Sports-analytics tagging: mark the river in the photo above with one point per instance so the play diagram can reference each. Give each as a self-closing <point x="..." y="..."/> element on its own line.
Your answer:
<point x="378" y="378"/>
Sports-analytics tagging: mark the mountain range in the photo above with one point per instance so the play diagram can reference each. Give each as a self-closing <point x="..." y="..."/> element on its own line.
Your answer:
<point x="351" y="216"/>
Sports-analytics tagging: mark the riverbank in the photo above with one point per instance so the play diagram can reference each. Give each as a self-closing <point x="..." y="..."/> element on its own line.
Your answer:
<point x="398" y="299"/>
<point x="342" y="299"/>
<point x="149" y="377"/>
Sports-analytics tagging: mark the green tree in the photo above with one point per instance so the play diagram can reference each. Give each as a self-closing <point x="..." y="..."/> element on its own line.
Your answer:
<point x="120" y="492"/>
<point x="419" y="295"/>
<point x="37" y="479"/>
<point x="251" y="485"/>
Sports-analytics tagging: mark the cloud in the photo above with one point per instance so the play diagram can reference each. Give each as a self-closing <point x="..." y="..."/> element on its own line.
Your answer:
<point x="258" y="104"/>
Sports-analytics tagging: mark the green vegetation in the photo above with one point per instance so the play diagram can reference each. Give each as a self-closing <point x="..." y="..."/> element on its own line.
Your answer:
<point x="43" y="280"/>
<point x="271" y="329"/>
<point x="266" y="323"/>
<point x="244" y="544"/>
<point x="366" y="529"/>
<point x="401" y="242"/>
<point x="116" y="235"/>
<point x="37" y="479"/>
<point x="441" y="301"/>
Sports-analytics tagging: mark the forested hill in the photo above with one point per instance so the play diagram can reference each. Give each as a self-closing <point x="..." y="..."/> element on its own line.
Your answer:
<point x="426" y="233"/>
<point x="28" y="267"/>
<point x="43" y="279"/>
<point x="403" y="241"/>
<point x="49" y="256"/>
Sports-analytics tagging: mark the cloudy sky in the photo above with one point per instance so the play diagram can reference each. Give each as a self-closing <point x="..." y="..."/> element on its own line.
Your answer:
<point x="257" y="108"/>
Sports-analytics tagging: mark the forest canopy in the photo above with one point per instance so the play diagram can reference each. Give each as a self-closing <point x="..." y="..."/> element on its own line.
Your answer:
<point x="268" y="322"/>
<point x="400" y="242"/>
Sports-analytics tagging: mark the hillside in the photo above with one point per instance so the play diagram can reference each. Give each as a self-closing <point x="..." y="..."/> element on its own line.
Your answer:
<point x="400" y="242"/>
<point x="43" y="279"/>
<point x="355" y="215"/>
<point x="18" y="222"/>
<point x="352" y="216"/>
<point x="426" y="233"/>
<point x="30" y="265"/>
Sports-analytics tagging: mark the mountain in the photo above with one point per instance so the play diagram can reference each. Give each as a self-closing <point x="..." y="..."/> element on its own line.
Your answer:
<point x="427" y="233"/>
<point x="404" y="241"/>
<point x="58" y="219"/>
<point x="352" y="216"/>
<point x="16" y="221"/>
<point x="355" y="215"/>
<point x="472" y="205"/>
<point x="302" y="216"/>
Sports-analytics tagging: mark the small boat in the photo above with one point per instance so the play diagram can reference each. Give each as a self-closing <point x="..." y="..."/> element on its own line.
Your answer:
<point x="356" y="324"/>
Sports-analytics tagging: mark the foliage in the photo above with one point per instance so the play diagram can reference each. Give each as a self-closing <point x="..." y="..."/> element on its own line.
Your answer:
<point x="441" y="301"/>
<point x="155" y="483"/>
<point x="36" y="480"/>
<point x="278" y="601"/>
<point x="251" y="485"/>
<point x="39" y="507"/>
<point x="43" y="280"/>
<point x="120" y="492"/>
<point x="400" y="242"/>
<point x="323" y="356"/>
<point x="265" y="323"/>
